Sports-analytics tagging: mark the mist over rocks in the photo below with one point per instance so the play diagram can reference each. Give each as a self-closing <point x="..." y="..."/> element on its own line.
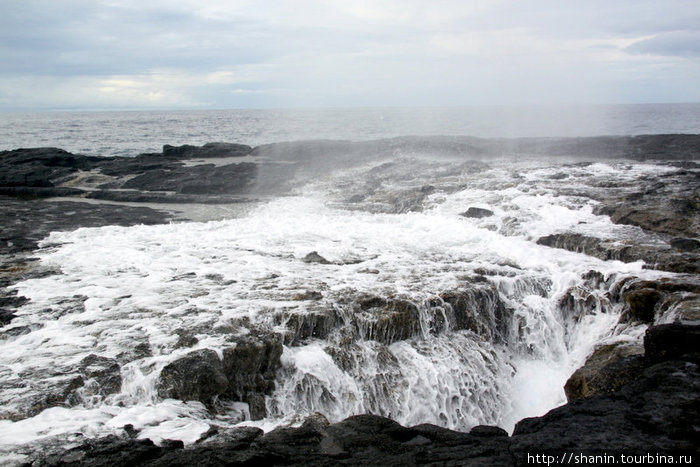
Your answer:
<point x="51" y="172"/>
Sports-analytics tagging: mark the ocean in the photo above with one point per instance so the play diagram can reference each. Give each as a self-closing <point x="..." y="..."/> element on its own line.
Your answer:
<point x="134" y="132"/>
<point x="374" y="325"/>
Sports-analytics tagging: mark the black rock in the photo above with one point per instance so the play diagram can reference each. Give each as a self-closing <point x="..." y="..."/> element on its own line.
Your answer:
<point x="626" y="251"/>
<point x="642" y="304"/>
<point x="197" y="376"/>
<point x="656" y="413"/>
<point x="102" y="452"/>
<point x="232" y="438"/>
<point x="672" y="341"/>
<point x="685" y="244"/>
<point x="477" y="213"/>
<point x="105" y="371"/>
<point x="479" y="309"/>
<point x="300" y="327"/>
<point x="250" y="368"/>
<point x="488" y="431"/>
<point x="314" y="257"/>
<point x="608" y="369"/>
<point x="6" y="316"/>
<point x="199" y="179"/>
<point x="209" y="150"/>
<point x="39" y="167"/>
<point x="26" y="222"/>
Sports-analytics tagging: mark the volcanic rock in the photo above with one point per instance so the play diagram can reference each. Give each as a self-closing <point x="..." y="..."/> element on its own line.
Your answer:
<point x="250" y="367"/>
<point x="39" y="167"/>
<point x="478" y="309"/>
<point x="105" y="372"/>
<point x="301" y="326"/>
<point x="196" y="376"/>
<point x="685" y="244"/>
<point x="672" y="341"/>
<point x="477" y="213"/>
<point x="642" y="303"/>
<point x="608" y="369"/>
<point x="209" y="150"/>
<point x="314" y="257"/>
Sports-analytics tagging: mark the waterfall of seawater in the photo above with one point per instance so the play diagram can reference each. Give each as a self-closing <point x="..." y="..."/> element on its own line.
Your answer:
<point x="406" y="309"/>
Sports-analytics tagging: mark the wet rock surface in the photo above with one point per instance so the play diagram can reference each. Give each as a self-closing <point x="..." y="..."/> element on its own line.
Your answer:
<point x="607" y="370"/>
<point x="250" y="368"/>
<point x="647" y="301"/>
<point x="103" y="372"/>
<point x="26" y="222"/>
<point x="477" y="213"/>
<point x="181" y="171"/>
<point x="197" y="376"/>
<point x="654" y="411"/>
<point x="655" y="256"/>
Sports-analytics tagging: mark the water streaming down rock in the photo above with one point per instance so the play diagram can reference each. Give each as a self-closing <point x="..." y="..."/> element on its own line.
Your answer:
<point x="343" y="299"/>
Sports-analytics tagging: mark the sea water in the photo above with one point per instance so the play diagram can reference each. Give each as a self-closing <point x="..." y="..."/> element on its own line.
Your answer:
<point x="134" y="132"/>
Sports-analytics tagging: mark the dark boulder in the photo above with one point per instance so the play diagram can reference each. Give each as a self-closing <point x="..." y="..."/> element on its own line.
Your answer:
<point x="685" y="244"/>
<point x="647" y="300"/>
<point x="198" y="179"/>
<point x="34" y="192"/>
<point x="382" y="319"/>
<point x="209" y="150"/>
<point x="626" y="251"/>
<point x="655" y="413"/>
<point x="488" y="431"/>
<point x="185" y="338"/>
<point x="104" y="371"/>
<point x="122" y="166"/>
<point x="303" y="325"/>
<point x="582" y="300"/>
<point x="687" y="310"/>
<point x="53" y="389"/>
<point x="101" y="452"/>
<point x="308" y="295"/>
<point x="6" y="316"/>
<point x="196" y="376"/>
<point x="477" y="213"/>
<point x="26" y="222"/>
<point x="672" y="341"/>
<point x="40" y="167"/>
<point x="398" y="320"/>
<point x="608" y="369"/>
<point x="250" y="368"/>
<point x="666" y="203"/>
<point x="231" y="438"/>
<point x="590" y="246"/>
<point x="314" y="257"/>
<point x="479" y="309"/>
<point x="642" y="304"/>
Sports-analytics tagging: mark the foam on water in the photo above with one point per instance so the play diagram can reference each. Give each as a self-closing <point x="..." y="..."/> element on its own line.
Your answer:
<point x="121" y="288"/>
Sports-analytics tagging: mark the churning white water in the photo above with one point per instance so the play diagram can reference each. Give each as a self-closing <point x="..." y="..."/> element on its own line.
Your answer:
<point x="124" y="289"/>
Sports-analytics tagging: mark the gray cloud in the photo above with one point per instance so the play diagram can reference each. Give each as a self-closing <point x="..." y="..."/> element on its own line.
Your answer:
<point x="672" y="44"/>
<point x="330" y="52"/>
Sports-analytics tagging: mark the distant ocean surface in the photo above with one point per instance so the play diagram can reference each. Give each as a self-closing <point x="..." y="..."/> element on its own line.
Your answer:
<point x="127" y="133"/>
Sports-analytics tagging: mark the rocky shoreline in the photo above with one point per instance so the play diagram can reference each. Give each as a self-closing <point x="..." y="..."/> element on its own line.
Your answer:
<point x="654" y="413"/>
<point x="626" y="400"/>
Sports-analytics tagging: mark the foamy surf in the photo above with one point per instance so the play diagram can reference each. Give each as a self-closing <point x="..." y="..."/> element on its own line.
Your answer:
<point x="146" y="296"/>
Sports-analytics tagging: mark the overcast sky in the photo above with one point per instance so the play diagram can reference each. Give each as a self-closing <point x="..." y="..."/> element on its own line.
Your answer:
<point x="174" y="54"/>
